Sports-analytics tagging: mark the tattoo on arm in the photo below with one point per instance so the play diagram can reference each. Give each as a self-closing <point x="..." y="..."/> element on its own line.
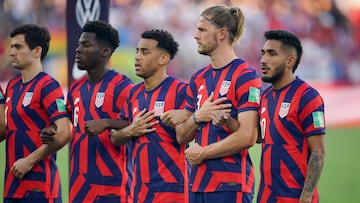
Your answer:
<point x="315" y="165"/>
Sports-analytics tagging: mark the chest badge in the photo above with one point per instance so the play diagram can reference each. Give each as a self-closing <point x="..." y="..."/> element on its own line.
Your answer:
<point x="224" y="87"/>
<point x="27" y="98"/>
<point x="284" y="109"/>
<point x="99" y="101"/>
<point x="159" y="108"/>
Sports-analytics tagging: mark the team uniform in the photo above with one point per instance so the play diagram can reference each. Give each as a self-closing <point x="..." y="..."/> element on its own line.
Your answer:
<point x="216" y="177"/>
<point x="288" y="117"/>
<point x="158" y="161"/>
<point x="97" y="167"/>
<point x="30" y="107"/>
<point x="2" y="97"/>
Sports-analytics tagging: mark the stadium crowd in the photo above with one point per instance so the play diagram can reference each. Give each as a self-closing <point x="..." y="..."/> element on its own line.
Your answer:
<point x="329" y="29"/>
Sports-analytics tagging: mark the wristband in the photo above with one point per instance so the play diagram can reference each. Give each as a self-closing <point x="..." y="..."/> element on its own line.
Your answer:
<point x="194" y="119"/>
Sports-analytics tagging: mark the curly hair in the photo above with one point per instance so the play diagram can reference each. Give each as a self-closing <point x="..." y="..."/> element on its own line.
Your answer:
<point x="165" y="40"/>
<point x="104" y="32"/>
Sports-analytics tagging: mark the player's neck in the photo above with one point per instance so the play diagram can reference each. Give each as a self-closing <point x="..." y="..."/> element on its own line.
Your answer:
<point x="31" y="71"/>
<point x="287" y="79"/>
<point x="154" y="81"/>
<point x="96" y="74"/>
<point x="222" y="57"/>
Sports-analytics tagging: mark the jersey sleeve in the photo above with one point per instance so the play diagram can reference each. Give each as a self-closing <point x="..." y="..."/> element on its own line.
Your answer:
<point x="181" y="96"/>
<point x="52" y="98"/>
<point x="122" y="91"/>
<point x="311" y="113"/>
<point x="248" y="91"/>
<point x="190" y="104"/>
<point x="2" y="97"/>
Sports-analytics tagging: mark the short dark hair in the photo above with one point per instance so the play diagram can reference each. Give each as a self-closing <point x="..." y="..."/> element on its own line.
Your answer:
<point x="287" y="39"/>
<point x="34" y="35"/>
<point x="165" y="40"/>
<point x="104" y="32"/>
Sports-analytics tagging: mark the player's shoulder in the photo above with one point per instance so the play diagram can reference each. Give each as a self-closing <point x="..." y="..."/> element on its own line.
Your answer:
<point x="118" y="77"/>
<point x="308" y="90"/>
<point x="14" y="80"/>
<point x="136" y="89"/>
<point x="177" y="81"/>
<point x="201" y="71"/>
<point x="44" y="79"/>
<point x="78" y="82"/>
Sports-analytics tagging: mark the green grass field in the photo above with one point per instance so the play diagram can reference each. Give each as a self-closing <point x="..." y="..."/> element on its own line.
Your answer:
<point x="340" y="181"/>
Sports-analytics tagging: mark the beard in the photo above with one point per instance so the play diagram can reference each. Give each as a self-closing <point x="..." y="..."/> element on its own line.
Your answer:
<point x="278" y="74"/>
<point x="210" y="48"/>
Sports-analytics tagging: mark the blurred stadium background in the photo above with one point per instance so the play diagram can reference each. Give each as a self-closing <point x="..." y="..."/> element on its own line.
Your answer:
<point x="329" y="30"/>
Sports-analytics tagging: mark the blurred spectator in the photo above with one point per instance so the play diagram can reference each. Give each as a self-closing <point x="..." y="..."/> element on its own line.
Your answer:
<point x="330" y="30"/>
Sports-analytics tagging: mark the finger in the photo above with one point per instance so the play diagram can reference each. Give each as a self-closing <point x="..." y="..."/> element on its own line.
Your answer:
<point x="141" y="113"/>
<point x="145" y="131"/>
<point x="46" y="140"/>
<point x="149" y="130"/>
<point x="164" y="117"/>
<point x="114" y="132"/>
<point x="166" y="120"/>
<point x="220" y="100"/>
<point x="149" y="116"/>
<point x="210" y="98"/>
<point x="148" y="125"/>
<point x="223" y="106"/>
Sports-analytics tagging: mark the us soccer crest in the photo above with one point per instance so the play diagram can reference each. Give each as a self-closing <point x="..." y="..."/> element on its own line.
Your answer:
<point x="99" y="101"/>
<point x="284" y="109"/>
<point x="27" y="98"/>
<point x="224" y="87"/>
<point x="159" y="107"/>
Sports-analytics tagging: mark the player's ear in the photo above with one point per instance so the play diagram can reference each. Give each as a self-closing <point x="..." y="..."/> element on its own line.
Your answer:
<point x="37" y="52"/>
<point x="106" y="52"/>
<point x="164" y="59"/>
<point x="291" y="61"/>
<point x="222" y="33"/>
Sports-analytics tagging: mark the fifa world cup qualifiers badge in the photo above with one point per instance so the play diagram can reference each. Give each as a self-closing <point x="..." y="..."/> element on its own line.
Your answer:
<point x="318" y="118"/>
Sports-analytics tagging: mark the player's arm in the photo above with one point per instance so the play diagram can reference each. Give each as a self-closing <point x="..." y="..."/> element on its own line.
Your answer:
<point x="94" y="127"/>
<point x="2" y="122"/>
<point x="174" y="117"/>
<point x="185" y="132"/>
<point x="141" y="125"/>
<point x="243" y="138"/>
<point x="61" y="138"/>
<point x="315" y="165"/>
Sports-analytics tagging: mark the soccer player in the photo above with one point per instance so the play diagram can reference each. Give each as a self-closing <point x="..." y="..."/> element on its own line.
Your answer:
<point x="292" y="125"/>
<point x="229" y="89"/>
<point x="34" y="100"/>
<point x="159" y="167"/>
<point x="2" y="115"/>
<point x="97" y="167"/>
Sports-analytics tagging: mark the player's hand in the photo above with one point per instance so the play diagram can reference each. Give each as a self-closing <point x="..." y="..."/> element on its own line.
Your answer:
<point x="47" y="134"/>
<point x="220" y="118"/>
<point x="21" y="167"/>
<point x="94" y="127"/>
<point x="173" y="117"/>
<point x="204" y="114"/>
<point x="142" y="124"/>
<point x="194" y="154"/>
